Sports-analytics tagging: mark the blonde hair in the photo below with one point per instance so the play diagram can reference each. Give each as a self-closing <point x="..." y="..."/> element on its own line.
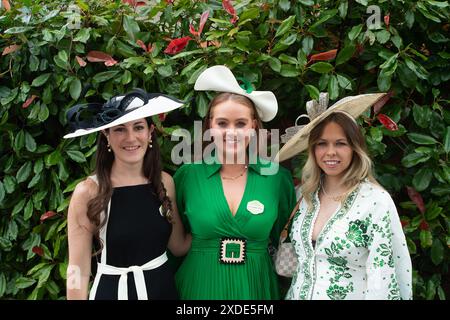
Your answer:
<point x="360" y="167"/>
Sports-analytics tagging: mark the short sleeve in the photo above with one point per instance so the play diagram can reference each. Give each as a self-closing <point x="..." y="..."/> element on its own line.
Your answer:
<point x="286" y="203"/>
<point x="389" y="274"/>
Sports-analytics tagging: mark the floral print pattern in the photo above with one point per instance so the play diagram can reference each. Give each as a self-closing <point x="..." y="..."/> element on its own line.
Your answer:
<point x="361" y="252"/>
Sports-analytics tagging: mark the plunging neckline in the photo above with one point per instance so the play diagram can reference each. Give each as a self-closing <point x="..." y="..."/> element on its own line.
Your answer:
<point x="224" y="198"/>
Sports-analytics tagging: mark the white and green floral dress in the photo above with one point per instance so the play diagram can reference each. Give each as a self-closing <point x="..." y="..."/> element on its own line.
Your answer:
<point x="360" y="253"/>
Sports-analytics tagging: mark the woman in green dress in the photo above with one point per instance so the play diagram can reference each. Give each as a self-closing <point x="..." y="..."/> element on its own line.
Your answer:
<point x="233" y="208"/>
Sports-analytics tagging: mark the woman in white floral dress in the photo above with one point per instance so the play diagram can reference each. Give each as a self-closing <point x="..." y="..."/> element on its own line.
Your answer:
<point x="347" y="232"/>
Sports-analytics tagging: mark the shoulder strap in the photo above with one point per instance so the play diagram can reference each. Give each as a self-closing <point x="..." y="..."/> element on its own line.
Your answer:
<point x="94" y="178"/>
<point x="284" y="232"/>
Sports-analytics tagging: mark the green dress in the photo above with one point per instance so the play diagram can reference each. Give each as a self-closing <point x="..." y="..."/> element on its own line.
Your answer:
<point x="264" y="209"/>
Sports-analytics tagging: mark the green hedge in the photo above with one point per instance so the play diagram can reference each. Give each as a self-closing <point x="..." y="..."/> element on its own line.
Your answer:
<point x="295" y="48"/>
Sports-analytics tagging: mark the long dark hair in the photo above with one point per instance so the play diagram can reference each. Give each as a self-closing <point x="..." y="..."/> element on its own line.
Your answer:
<point x="152" y="168"/>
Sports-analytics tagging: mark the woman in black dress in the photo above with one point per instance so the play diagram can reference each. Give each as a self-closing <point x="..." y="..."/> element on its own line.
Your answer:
<point x="127" y="206"/>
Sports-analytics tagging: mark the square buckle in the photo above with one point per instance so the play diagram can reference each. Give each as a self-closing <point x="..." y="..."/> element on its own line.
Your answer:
<point x="232" y="250"/>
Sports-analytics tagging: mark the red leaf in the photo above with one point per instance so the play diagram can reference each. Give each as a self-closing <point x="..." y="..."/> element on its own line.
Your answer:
<point x="170" y="1"/>
<point x="176" y="45"/>
<point x="29" y="101"/>
<point x="203" y="20"/>
<point x="297" y="181"/>
<point x="380" y="103"/>
<point x="6" y="5"/>
<point x="387" y="122"/>
<point x="234" y="19"/>
<point x="404" y="223"/>
<point x="135" y="3"/>
<point x="424" y="225"/>
<point x="226" y="4"/>
<point x="38" y="250"/>
<point x="324" y="55"/>
<point x="98" y="56"/>
<point x="142" y="45"/>
<point x="386" y="20"/>
<point x="47" y="215"/>
<point x="416" y="198"/>
<point x="192" y="31"/>
<point x="162" y="116"/>
<point x="151" y="47"/>
<point x="80" y="61"/>
<point x="10" y="49"/>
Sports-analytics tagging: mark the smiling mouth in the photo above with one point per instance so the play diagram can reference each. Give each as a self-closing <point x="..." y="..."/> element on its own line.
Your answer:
<point x="132" y="148"/>
<point x="332" y="162"/>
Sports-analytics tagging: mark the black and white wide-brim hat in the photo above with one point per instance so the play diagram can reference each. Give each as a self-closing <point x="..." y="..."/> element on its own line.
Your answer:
<point x="219" y="78"/>
<point x="92" y="117"/>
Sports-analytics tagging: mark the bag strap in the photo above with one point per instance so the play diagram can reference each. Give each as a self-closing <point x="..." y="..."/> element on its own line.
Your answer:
<point x="284" y="232"/>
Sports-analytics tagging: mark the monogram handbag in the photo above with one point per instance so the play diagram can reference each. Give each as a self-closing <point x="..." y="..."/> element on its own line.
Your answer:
<point x="285" y="260"/>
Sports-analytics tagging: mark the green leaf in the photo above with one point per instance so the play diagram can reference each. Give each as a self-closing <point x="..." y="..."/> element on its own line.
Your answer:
<point x="24" y="172"/>
<point x="2" y="194"/>
<point x="165" y="71"/>
<point x="15" y="30"/>
<point x="105" y="76"/>
<point x="421" y="138"/>
<point x="423" y="10"/>
<point x="344" y="82"/>
<point x="285" y="5"/>
<point x="354" y="33"/>
<point x="289" y="71"/>
<point x="437" y="252"/>
<point x="53" y="158"/>
<point x="420" y="71"/>
<point x="34" y="181"/>
<point x="30" y="143"/>
<point x="28" y="211"/>
<point x="307" y="2"/>
<point x="285" y="26"/>
<point x="383" y="36"/>
<point x="10" y="184"/>
<point x="413" y="159"/>
<point x="313" y="92"/>
<point x="75" y="89"/>
<point x="18" y="207"/>
<point x="321" y="67"/>
<point x="39" y="81"/>
<point x="422" y="116"/>
<point x="131" y="27"/>
<point x="22" y="282"/>
<point x="288" y="59"/>
<point x="19" y="141"/>
<point x="409" y="18"/>
<point x="202" y="105"/>
<point x="422" y="179"/>
<point x="33" y="63"/>
<point x="440" y="4"/>
<point x="307" y="44"/>
<point x="195" y="75"/>
<point x="447" y="140"/>
<point x="43" y="113"/>
<point x="61" y="60"/>
<point x="83" y="35"/>
<point x="345" y="54"/>
<point x="426" y="238"/>
<point x="3" y="284"/>
<point x="76" y="156"/>
<point x="333" y="87"/>
<point x="324" y="16"/>
<point x="384" y="81"/>
<point x="275" y="64"/>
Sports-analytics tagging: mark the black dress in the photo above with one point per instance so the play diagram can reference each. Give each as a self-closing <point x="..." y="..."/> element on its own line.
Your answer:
<point x="137" y="233"/>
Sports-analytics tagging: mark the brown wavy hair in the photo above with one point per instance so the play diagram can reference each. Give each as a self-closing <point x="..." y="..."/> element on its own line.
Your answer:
<point x="152" y="168"/>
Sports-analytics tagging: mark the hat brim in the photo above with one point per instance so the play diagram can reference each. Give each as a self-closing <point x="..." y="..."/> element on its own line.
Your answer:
<point x="154" y="106"/>
<point x="221" y="79"/>
<point x="354" y="106"/>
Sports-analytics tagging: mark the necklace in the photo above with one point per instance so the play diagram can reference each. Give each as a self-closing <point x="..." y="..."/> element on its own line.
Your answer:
<point x="337" y="198"/>
<point x="238" y="176"/>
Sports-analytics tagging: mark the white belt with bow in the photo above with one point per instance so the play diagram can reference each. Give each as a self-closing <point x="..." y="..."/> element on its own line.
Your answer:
<point x="138" y="272"/>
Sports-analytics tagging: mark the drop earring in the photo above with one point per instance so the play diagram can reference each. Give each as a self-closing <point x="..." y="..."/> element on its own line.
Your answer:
<point x="150" y="143"/>
<point x="109" y="147"/>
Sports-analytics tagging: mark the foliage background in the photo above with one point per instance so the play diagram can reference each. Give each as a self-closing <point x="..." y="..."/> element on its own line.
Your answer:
<point x="274" y="45"/>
